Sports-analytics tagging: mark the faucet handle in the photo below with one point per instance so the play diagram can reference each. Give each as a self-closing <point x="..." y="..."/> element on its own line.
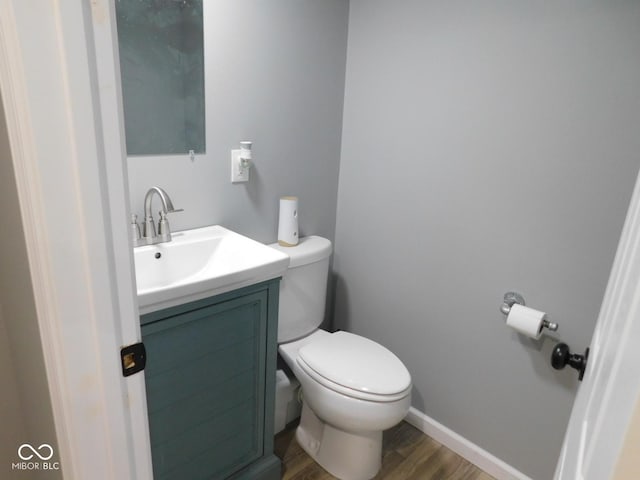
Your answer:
<point x="135" y="228"/>
<point x="164" y="231"/>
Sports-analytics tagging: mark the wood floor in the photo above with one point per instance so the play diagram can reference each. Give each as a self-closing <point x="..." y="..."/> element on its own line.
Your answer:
<point x="407" y="454"/>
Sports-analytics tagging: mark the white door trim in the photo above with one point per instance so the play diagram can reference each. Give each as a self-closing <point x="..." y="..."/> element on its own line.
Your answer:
<point x="71" y="178"/>
<point x="23" y="148"/>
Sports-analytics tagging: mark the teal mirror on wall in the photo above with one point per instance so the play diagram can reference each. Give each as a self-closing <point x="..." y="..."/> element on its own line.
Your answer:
<point x="162" y="68"/>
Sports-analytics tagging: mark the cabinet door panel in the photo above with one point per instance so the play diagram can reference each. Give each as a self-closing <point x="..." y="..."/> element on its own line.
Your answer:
<point x="205" y="380"/>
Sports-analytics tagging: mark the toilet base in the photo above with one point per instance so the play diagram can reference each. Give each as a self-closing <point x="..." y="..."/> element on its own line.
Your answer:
<point x="346" y="455"/>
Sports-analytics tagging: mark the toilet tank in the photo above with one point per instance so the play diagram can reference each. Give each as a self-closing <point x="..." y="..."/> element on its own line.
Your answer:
<point x="303" y="288"/>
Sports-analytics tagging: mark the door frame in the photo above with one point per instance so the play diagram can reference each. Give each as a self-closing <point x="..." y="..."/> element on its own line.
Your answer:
<point x="59" y="80"/>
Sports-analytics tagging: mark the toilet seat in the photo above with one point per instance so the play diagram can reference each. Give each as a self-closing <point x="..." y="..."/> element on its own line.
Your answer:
<point x="355" y="366"/>
<point x="350" y="392"/>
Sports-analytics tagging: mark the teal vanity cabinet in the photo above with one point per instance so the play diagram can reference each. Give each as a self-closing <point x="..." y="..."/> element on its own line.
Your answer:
<point x="210" y="380"/>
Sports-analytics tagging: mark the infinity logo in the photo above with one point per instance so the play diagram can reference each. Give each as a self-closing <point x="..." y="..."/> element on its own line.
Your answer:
<point x="29" y="456"/>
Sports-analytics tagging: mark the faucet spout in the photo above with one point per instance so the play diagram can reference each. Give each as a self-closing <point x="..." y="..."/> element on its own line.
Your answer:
<point x="167" y="204"/>
<point x="149" y="236"/>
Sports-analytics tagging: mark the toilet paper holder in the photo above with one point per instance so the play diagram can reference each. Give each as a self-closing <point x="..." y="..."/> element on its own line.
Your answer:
<point x="510" y="298"/>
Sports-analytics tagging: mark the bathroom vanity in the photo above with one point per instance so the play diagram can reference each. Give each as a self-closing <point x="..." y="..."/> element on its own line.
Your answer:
<point x="210" y="381"/>
<point x="208" y="302"/>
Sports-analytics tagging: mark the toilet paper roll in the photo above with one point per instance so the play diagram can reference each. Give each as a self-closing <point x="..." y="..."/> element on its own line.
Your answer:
<point x="288" y="222"/>
<point x="526" y="321"/>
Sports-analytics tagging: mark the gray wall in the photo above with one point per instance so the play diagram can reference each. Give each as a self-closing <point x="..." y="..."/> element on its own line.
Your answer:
<point x="25" y="407"/>
<point x="487" y="146"/>
<point x="275" y="76"/>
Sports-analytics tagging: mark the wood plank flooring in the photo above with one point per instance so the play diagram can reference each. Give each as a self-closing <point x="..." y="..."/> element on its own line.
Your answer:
<point x="407" y="454"/>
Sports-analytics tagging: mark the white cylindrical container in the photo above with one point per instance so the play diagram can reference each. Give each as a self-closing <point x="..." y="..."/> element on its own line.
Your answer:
<point x="288" y="222"/>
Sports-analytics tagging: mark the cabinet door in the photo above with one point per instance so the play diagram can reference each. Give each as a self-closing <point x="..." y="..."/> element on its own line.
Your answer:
<point x="205" y="381"/>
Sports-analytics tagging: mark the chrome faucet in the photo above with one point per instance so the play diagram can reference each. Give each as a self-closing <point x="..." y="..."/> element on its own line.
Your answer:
<point x="149" y="236"/>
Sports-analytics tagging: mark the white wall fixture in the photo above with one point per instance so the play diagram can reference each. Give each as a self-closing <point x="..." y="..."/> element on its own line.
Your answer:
<point x="240" y="163"/>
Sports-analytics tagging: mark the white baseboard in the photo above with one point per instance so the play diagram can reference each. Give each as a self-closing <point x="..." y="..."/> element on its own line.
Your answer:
<point x="463" y="447"/>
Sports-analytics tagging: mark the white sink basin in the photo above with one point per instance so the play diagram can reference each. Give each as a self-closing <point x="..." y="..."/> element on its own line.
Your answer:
<point x="200" y="263"/>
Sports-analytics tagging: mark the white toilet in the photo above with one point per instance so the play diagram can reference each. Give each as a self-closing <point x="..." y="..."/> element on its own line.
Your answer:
<point x="353" y="388"/>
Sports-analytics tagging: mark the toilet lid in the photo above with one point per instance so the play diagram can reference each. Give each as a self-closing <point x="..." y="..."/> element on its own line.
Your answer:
<point x="356" y="363"/>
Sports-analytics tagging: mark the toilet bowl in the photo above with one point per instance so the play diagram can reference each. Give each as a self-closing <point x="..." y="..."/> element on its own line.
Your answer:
<point x="353" y="388"/>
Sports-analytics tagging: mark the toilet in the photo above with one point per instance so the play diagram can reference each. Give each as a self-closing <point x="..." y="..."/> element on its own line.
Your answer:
<point x="353" y="388"/>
